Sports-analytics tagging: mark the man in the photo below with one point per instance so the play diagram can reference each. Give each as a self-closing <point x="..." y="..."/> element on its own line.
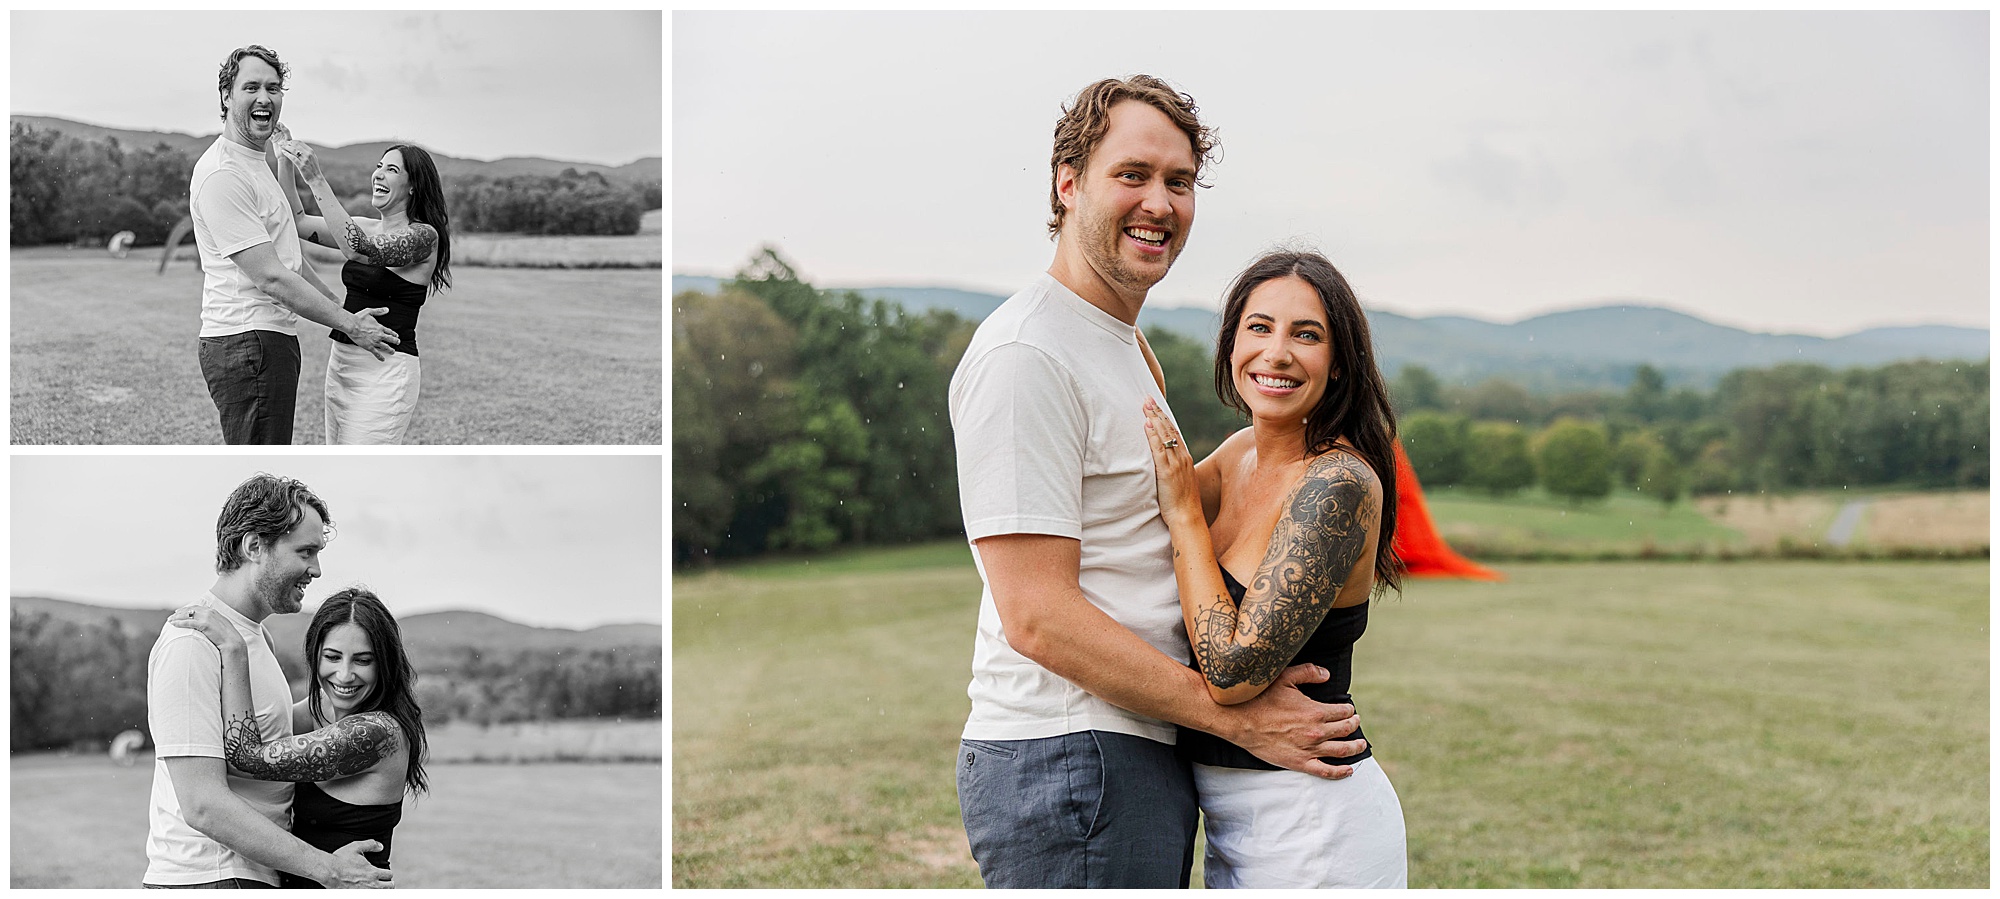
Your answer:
<point x="1067" y="774"/>
<point x="256" y="283"/>
<point x="208" y="826"/>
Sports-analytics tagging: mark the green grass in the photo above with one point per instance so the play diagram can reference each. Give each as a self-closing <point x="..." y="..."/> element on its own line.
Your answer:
<point x="103" y="351"/>
<point x="1532" y="521"/>
<point x="1767" y="724"/>
<point x="80" y="822"/>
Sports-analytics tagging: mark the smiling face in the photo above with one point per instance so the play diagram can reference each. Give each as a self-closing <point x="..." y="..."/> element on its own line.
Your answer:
<point x="1281" y="362"/>
<point x="255" y="101"/>
<point x="1133" y="204"/>
<point x="284" y="568"/>
<point x="346" y="669"/>
<point x="391" y="186"/>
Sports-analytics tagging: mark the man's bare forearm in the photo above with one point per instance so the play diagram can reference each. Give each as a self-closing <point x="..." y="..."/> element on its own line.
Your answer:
<point x="312" y="277"/>
<point x="228" y="820"/>
<point x="1111" y="663"/>
<point x="256" y="838"/>
<point x="292" y="291"/>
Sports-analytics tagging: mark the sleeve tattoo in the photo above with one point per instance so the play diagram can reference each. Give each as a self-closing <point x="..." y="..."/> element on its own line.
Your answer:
<point x="348" y="746"/>
<point x="407" y="246"/>
<point x="1323" y="533"/>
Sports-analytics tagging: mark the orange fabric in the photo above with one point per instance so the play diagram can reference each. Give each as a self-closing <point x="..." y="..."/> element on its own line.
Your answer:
<point x="1424" y="553"/>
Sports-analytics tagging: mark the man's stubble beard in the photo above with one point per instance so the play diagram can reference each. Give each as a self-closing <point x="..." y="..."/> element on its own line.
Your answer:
<point x="1102" y="242"/>
<point x="276" y="594"/>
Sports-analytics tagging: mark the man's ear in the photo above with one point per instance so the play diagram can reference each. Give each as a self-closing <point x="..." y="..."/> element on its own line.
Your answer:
<point x="252" y="547"/>
<point x="1066" y="176"/>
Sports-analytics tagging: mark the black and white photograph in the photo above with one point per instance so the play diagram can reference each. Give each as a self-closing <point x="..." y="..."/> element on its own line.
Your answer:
<point x="339" y="228"/>
<point x="339" y="671"/>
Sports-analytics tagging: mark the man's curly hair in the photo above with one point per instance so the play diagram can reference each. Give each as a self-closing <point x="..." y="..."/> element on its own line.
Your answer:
<point x="232" y="65"/>
<point x="267" y="506"/>
<point x="1085" y="121"/>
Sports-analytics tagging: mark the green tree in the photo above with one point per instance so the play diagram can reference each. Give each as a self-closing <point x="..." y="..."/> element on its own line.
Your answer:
<point x="1574" y="461"/>
<point x="734" y="360"/>
<point x="1416" y="389"/>
<point x="814" y="471"/>
<point x="1646" y="398"/>
<point x="894" y="370"/>
<point x="1497" y="458"/>
<point x="1498" y="399"/>
<point x="1662" y="478"/>
<point x="1713" y="470"/>
<point x="1630" y="455"/>
<point x="1438" y="446"/>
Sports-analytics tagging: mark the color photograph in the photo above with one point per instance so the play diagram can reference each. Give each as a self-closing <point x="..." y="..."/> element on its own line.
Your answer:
<point x="1331" y="449"/>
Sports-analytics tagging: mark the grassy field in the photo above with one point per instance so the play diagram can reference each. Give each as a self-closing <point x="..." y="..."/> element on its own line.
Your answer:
<point x="547" y="741"/>
<point x="1753" y="724"/>
<point x="1534" y="525"/>
<point x="1531" y="522"/>
<point x="81" y="822"/>
<point x="104" y="352"/>
<point x="643" y="250"/>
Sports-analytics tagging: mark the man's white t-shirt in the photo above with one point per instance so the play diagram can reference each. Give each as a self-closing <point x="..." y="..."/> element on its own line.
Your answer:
<point x="1047" y="412"/>
<point x="184" y="712"/>
<point x="236" y="204"/>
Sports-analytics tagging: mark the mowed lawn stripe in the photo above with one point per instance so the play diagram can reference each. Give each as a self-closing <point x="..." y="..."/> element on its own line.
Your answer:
<point x="1784" y="724"/>
<point x="104" y="351"/>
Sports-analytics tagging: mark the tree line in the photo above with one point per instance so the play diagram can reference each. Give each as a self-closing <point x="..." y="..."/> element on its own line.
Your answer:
<point x="81" y="683"/>
<point x="70" y="190"/>
<point x="808" y="419"/>
<point x="1796" y="426"/>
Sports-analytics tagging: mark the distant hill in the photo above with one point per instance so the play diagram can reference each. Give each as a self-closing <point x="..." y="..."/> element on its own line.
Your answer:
<point x="1592" y="348"/>
<point x="428" y="631"/>
<point x="361" y="154"/>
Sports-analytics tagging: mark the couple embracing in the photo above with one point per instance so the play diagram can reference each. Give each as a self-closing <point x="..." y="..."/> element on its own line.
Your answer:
<point x="252" y="789"/>
<point x="1159" y="637"/>
<point x="256" y="283"/>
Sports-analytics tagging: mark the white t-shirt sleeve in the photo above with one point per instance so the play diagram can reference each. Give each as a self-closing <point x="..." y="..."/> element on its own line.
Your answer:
<point x="184" y="697"/>
<point x="227" y="204"/>
<point x="1020" y="431"/>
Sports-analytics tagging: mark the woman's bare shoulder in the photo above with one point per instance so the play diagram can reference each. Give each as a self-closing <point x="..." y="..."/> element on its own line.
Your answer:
<point x="1343" y="468"/>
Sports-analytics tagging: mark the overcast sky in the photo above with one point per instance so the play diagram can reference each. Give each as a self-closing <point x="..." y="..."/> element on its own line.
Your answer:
<point x="573" y="86"/>
<point x="1792" y="172"/>
<point x="559" y="541"/>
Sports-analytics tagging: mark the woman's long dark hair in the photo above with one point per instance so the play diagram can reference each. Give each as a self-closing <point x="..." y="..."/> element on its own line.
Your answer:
<point x="427" y="206"/>
<point x="395" y="679"/>
<point x="1356" y="402"/>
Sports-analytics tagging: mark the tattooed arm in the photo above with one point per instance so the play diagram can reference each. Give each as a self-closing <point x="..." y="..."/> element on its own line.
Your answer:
<point x="335" y="228"/>
<point x="1327" y="526"/>
<point x="403" y="246"/>
<point x="349" y="746"/>
<point x="346" y="747"/>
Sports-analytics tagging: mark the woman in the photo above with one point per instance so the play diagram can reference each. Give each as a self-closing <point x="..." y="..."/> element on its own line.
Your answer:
<point x="1302" y="505"/>
<point x="393" y="262"/>
<point x="366" y="745"/>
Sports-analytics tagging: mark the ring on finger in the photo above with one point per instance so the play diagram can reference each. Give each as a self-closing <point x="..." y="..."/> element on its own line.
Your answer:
<point x="1171" y="443"/>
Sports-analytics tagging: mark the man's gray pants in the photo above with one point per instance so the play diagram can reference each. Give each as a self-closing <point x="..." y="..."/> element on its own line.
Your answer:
<point x="1089" y="809"/>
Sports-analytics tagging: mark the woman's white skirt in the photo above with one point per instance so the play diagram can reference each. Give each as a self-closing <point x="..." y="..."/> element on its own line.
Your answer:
<point x="1270" y="829"/>
<point x="369" y="400"/>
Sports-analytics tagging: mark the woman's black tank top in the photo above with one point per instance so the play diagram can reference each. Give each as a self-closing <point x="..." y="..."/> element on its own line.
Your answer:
<point x="327" y="824"/>
<point x="1331" y="646"/>
<point x="375" y="287"/>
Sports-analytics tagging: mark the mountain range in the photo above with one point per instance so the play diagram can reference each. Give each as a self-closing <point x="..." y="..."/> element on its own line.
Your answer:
<point x="361" y="154"/>
<point x="423" y="633"/>
<point x="1579" y="349"/>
